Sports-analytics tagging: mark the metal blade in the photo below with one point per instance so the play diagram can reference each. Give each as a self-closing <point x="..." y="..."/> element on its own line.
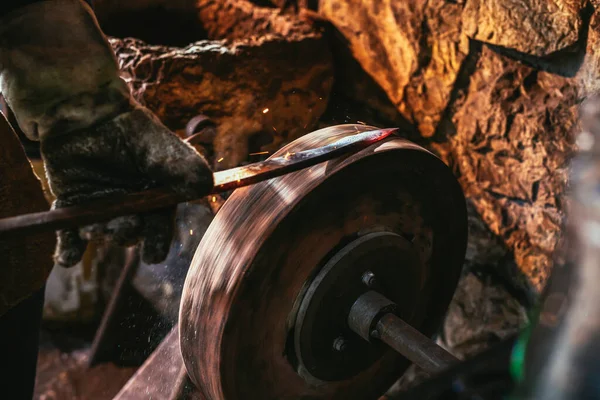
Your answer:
<point x="104" y="210"/>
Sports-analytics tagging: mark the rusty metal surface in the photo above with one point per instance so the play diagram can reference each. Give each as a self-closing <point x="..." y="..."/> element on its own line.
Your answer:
<point x="265" y="244"/>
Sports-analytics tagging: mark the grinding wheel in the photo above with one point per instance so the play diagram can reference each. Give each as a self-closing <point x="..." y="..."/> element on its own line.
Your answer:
<point x="264" y="306"/>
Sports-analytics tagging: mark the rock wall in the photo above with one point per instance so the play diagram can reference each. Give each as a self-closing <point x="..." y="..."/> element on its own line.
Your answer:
<point x="264" y="79"/>
<point x="514" y="136"/>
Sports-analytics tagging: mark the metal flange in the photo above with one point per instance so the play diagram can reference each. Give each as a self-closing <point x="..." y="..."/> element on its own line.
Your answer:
<point x="324" y="344"/>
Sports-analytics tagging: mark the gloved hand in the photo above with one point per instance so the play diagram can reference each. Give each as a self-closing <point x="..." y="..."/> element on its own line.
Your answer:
<point x="59" y="76"/>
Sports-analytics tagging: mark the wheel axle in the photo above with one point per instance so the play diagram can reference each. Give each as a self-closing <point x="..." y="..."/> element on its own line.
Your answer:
<point x="373" y="317"/>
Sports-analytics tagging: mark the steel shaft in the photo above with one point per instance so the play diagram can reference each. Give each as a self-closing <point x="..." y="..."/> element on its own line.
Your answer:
<point x="412" y="344"/>
<point x="373" y="317"/>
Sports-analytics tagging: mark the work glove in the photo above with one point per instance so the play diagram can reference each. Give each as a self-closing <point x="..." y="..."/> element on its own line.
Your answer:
<point x="60" y="77"/>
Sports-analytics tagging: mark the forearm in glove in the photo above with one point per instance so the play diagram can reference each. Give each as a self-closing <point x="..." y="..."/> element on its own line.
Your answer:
<point x="60" y="77"/>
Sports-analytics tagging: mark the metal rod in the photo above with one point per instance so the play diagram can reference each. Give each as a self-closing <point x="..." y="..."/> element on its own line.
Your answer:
<point x="105" y="210"/>
<point x="486" y="375"/>
<point x="104" y="338"/>
<point x="412" y="344"/>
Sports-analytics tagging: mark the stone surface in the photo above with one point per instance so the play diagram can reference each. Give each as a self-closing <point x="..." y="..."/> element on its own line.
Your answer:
<point x="240" y="19"/>
<point x="486" y="297"/>
<point x="513" y="141"/>
<point x="202" y="19"/>
<point x="260" y="92"/>
<point x="482" y="313"/>
<point x="262" y="76"/>
<point x="412" y="49"/>
<point x="534" y="27"/>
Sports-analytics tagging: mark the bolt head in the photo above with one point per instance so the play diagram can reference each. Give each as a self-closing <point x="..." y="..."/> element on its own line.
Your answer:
<point x="340" y="344"/>
<point x="375" y="334"/>
<point x="368" y="278"/>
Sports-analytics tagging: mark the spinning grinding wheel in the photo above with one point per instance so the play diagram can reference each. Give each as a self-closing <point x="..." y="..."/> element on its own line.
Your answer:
<point x="285" y="263"/>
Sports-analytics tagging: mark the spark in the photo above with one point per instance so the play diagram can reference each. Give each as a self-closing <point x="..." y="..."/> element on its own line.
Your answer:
<point x="274" y="129"/>
<point x="191" y="231"/>
<point x="266" y="110"/>
<point x="220" y="159"/>
<point x="258" y="153"/>
<point x="214" y="199"/>
<point x="288" y="155"/>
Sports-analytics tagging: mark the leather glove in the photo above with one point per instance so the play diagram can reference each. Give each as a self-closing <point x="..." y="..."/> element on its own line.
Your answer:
<point x="60" y="77"/>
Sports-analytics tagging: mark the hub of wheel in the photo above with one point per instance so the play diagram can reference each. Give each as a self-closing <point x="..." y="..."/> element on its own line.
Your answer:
<point x="324" y="345"/>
